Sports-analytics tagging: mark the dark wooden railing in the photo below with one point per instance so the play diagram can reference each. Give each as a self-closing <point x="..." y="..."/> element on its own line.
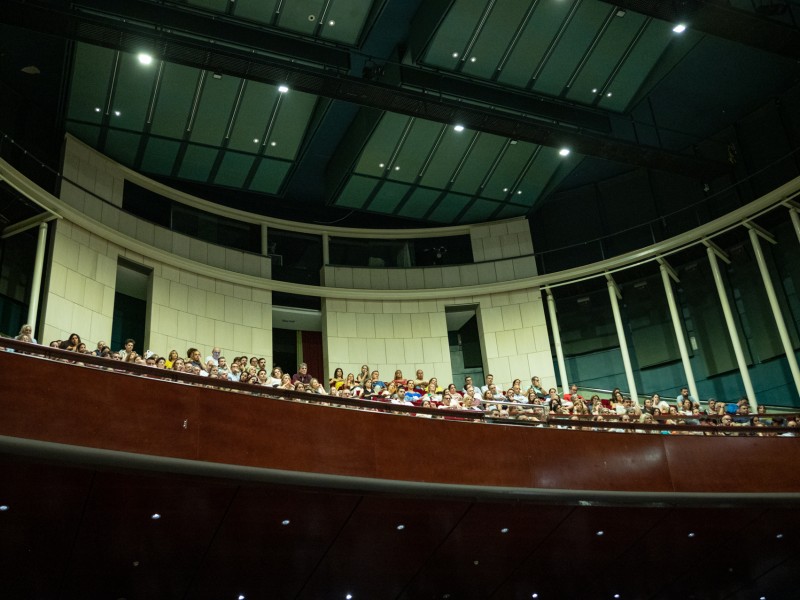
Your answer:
<point x="49" y="395"/>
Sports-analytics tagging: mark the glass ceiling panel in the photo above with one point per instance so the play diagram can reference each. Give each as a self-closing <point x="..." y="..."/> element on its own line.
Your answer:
<point x="571" y="46"/>
<point x="488" y="50"/>
<point x="89" y="90"/>
<point x="260" y="11"/>
<point x="610" y="50"/>
<point x="557" y="45"/>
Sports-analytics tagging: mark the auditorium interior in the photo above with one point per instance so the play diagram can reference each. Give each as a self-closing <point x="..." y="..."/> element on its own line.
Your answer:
<point x="591" y="192"/>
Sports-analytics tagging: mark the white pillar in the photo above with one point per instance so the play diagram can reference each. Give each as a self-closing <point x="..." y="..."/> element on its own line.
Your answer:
<point x="623" y="342"/>
<point x="677" y="324"/>
<point x="795" y="221"/>
<point x="264" y="239"/>
<point x="36" y="283"/>
<point x="776" y="309"/>
<point x="562" y="367"/>
<point x="734" y="335"/>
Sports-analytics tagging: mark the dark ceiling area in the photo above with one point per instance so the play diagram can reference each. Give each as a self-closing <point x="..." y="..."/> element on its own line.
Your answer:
<point x="394" y="112"/>
<point x="97" y="533"/>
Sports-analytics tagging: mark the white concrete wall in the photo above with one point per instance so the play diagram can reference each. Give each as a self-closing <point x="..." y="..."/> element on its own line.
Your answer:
<point x="514" y="337"/>
<point x="186" y="309"/>
<point x="191" y="310"/>
<point x="80" y="296"/>
<point x="388" y="335"/>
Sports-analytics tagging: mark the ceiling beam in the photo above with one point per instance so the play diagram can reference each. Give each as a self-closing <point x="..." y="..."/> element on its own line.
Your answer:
<point x="717" y="18"/>
<point x="413" y="91"/>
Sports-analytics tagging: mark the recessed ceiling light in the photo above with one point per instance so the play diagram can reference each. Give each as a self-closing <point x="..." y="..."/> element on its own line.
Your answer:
<point x="621" y="12"/>
<point x="155" y="516"/>
<point x="601" y="532"/>
<point x="594" y="90"/>
<point x="255" y="140"/>
<point x="616" y="595"/>
<point x="145" y="58"/>
<point x="273" y="144"/>
<point x="285" y="522"/>
<point x="504" y="530"/>
<point x="564" y="152"/>
<point x="779" y="536"/>
<point x="519" y="192"/>
<point x="401" y="527"/>
<point x="691" y="535"/>
<point x="349" y="596"/>
<point x="31" y="70"/>
<point x="455" y="54"/>
<point x="117" y="113"/>
<point x="473" y="59"/>
<point x="96" y="109"/>
<point x="283" y="89"/>
<point x="241" y="596"/>
<point x="331" y="22"/>
<point x="397" y="168"/>
<point x="381" y="165"/>
<point x="505" y="189"/>
<point x="459" y="128"/>
<point x="217" y="75"/>
<point x="608" y="94"/>
<point x="679" y="28"/>
<point x="534" y="595"/>
<point x="4" y="507"/>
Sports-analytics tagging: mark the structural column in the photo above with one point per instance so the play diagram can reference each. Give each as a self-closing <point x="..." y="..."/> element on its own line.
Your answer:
<point x="36" y="280"/>
<point x="614" y="294"/>
<point x="562" y="367"/>
<point x="713" y="252"/>
<point x="773" y="303"/>
<point x="677" y="324"/>
<point x="326" y="251"/>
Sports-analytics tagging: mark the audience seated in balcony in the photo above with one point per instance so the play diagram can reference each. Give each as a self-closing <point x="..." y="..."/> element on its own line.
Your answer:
<point x="534" y="404"/>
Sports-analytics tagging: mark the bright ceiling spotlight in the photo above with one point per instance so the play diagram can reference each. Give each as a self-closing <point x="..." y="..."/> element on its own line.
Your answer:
<point x="283" y="89"/>
<point x="459" y="128"/>
<point x="564" y="152"/>
<point x="145" y="59"/>
<point x="679" y="28"/>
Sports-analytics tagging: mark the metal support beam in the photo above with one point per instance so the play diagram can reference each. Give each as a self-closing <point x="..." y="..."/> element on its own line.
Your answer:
<point x="667" y="273"/>
<point x="615" y="295"/>
<point x="783" y="333"/>
<point x="731" y="323"/>
<point x="28" y="223"/>
<point x="562" y="366"/>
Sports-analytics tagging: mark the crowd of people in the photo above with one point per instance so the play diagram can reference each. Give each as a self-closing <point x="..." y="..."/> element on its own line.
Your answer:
<point x="534" y="403"/>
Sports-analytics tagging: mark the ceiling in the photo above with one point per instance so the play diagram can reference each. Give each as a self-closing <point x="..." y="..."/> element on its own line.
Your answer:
<point x="366" y="126"/>
<point x="89" y="533"/>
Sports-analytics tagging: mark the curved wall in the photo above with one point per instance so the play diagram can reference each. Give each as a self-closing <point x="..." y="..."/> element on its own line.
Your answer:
<point x="205" y="295"/>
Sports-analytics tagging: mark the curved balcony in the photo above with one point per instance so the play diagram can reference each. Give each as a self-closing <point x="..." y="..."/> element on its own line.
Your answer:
<point x="127" y="481"/>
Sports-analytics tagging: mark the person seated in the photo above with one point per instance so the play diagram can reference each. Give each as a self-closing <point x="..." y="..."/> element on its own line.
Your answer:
<point x="537" y="387"/>
<point x="73" y="342"/>
<point x="337" y="380"/>
<point x="375" y="377"/>
<point x="27" y="330"/>
<point x="399" y="379"/>
<point x="684" y="395"/>
<point x="573" y="394"/>
<point x="419" y="382"/>
<point x="400" y="398"/>
<point x="214" y="356"/>
<point x="302" y="375"/>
